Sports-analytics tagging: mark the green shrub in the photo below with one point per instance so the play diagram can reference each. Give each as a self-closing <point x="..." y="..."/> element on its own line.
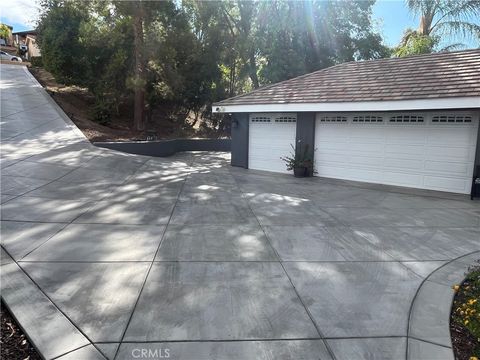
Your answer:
<point x="102" y="111"/>
<point x="36" y="61"/>
<point x="300" y="157"/>
<point x="60" y="42"/>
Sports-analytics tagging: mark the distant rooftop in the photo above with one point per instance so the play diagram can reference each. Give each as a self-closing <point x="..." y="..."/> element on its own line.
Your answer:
<point x="27" y="32"/>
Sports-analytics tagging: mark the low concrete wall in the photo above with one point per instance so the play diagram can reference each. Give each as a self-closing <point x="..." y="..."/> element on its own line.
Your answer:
<point x="23" y="63"/>
<point x="167" y="147"/>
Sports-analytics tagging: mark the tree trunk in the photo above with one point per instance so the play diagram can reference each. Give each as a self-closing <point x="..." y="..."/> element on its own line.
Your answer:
<point x="253" y="71"/>
<point x="231" y="82"/>
<point x="139" y="107"/>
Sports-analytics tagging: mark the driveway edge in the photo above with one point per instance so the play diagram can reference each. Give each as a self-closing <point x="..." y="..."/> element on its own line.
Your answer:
<point x="52" y="102"/>
<point x="428" y="330"/>
<point x="47" y="328"/>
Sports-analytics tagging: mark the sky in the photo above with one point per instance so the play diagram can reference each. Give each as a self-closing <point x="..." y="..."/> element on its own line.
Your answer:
<point x="21" y="14"/>
<point x="391" y="18"/>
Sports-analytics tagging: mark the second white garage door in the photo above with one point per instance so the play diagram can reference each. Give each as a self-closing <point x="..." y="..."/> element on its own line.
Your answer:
<point x="428" y="151"/>
<point x="270" y="138"/>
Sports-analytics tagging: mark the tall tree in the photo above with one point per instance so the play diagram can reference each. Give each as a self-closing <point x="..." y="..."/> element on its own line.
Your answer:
<point x="139" y="82"/>
<point x="304" y="36"/>
<point x="197" y="52"/>
<point x="440" y="20"/>
<point x="59" y="31"/>
<point x="447" y="17"/>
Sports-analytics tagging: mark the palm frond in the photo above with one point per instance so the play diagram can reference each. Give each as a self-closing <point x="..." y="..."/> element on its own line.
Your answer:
<point x="457" y="10"/>
<point x="407" y="34"/>
<point x="460" y="9"/>
<point x="466" y="30"/>
<point x="422" y="7"/>
<point x="452" y="47"/>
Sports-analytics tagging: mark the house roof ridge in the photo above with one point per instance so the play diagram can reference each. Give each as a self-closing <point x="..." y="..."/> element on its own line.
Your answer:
<point x="378" y="79"/>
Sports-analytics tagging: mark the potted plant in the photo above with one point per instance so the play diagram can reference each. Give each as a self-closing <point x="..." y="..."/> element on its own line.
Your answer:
<point x="300" y="161"/>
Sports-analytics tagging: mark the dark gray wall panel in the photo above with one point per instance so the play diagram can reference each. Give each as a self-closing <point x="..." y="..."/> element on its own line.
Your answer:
<point x="306" y="131"/>
<point x="476" y="164"/>
<point x="240" y="140"/>
<point x="477" y="155"/>
<point x="167" y="147"/>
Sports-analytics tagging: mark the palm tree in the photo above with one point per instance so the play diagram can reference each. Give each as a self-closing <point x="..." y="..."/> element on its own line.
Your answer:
<point x="447" y="18"/>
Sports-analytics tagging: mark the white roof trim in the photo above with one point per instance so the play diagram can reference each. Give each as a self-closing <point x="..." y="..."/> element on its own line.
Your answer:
<point x="419" y="104"/>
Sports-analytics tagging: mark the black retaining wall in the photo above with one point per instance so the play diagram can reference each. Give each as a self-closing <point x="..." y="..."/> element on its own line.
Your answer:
<point x="167" y="147"/>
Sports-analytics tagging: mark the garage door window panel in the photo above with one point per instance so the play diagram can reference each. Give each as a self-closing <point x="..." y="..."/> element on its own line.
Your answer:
<point x="451" y="119"/>
<point x="407" y="119"/>
<point x="365" y="119"/>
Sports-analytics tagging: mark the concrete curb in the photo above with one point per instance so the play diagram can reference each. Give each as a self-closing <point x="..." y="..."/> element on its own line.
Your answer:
<point x="429" y="319"/>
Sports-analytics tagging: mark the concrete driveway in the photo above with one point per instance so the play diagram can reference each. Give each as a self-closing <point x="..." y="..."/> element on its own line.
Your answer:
<point x="110" y="255"/>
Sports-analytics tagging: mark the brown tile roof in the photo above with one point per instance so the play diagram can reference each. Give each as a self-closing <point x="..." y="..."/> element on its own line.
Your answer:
<point x="439" y="75"/>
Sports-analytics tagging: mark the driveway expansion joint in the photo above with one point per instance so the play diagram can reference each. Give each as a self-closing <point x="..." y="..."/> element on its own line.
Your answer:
<point x="150" y="267"/>
<point x="434" y="324"/>
<point x="317" y="328"/>
<point x="40" y="343"/>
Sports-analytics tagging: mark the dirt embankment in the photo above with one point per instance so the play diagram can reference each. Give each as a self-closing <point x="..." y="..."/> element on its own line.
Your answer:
<point x="77" y="103"/>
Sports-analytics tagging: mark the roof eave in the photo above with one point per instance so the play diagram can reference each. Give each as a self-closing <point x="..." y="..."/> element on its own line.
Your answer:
<point x="469" y="102"/>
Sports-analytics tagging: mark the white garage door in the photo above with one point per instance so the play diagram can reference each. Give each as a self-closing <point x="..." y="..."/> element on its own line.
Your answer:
<point x="427" y="151"/>
<point x="270" y="137"/>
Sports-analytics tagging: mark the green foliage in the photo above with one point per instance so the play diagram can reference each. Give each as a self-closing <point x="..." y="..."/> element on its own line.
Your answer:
<point x="414" y="43"/>
<point x="301" y="157"/>
<point x="36" y="61"/>
<point x="59" y="41"/>
<point x="301" y="37"/>
<point x="88" y="47"/>
<point x="181" y="70"/>
<point x="4" y="31"/>
<point x="441" y="24"/>
<point x="198" y="52"/>
<point x="102" y="111"/>
<point x="466" y="305"/>
<point x="108" y="50"/>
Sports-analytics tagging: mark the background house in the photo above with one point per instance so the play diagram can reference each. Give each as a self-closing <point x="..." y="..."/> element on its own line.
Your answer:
<point x="26" y="41"/>
<point x="32" y="49"/>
